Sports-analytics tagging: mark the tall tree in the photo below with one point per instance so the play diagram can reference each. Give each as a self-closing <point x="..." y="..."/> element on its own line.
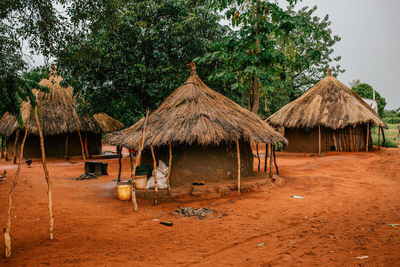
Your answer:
<point x="271" y="51"/>
<point x="136" y="58"/>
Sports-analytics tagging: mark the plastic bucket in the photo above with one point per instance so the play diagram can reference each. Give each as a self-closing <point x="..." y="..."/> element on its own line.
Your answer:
<point x="124" y="191"/>
<point x="141" y="181"/>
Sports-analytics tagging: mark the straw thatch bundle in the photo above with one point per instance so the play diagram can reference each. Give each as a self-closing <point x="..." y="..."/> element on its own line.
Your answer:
<point x="194" y="113"/>
<point x="329" y="103"/>
<point x="57" y="113"/>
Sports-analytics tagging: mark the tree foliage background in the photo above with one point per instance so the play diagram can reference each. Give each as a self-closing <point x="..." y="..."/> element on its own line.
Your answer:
<point x="122" y="56"/>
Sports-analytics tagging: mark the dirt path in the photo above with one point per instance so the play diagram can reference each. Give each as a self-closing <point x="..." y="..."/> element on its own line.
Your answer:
<point x="349" y="198"/>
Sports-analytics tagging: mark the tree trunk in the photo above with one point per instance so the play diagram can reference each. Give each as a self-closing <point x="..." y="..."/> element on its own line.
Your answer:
<point x="7" y="230"/>
<point x="46" y="174"/>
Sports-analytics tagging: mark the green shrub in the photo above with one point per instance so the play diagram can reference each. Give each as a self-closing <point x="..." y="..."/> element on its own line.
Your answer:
<point x="389" y="143"/>
<point x="392" y="120"/>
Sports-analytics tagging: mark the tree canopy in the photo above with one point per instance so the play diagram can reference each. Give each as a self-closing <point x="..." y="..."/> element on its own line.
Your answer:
<point x="365" y="90"/>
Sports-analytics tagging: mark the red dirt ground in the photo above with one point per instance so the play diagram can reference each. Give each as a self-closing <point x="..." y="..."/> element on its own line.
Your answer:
<point x="349" y="198"/>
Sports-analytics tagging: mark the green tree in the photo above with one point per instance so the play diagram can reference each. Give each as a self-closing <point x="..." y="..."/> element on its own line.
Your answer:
<point x="365" y="90"/>
<point x="137" y="56"/>
<point x="271" y="53"/>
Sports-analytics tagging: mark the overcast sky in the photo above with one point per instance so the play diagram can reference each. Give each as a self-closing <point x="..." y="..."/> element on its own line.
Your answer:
<point x="370" y="32"/>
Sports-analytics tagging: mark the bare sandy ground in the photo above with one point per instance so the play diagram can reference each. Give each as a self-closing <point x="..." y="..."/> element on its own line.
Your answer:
<point x="349" y="198"/>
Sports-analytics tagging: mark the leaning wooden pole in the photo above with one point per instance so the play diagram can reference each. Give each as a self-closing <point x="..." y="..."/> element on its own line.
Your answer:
<point x="276" y="165"/>
<point x="154" y="171"/>
<point x="169" y="166"/>
<point x="258" y="158"/>
<point x="319" y="140"/>
<point x="238" y="158"/>
<point x="15" y="146"/>
<point x="366" y="147"/>
<point x="46" y="174"/>
<point x="137" y="159"/>
<point x="379" y="137"/>
<point x="80" y="139"/>
<point x="270" y="160"/>
<point x="7" y="230"/>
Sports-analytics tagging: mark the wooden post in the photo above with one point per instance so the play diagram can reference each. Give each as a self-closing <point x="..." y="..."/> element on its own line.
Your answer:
<point x="383" y="136"/>
<point x="66" y="147"/>
<point x="258" y="158"/>
<point x="169" y="166"/>
<point x="270" y="160"/>
<point x="119" y="152"/>
<point x="154" y="170"/>
<point x="15" y="146"/>
<point x="276" y="165"/>
<point x="2" y="147"/>
<point x="6" y="149"/>
<point x="238" y="158"/>
<point x="7" y="230"/>
<point x="80" y="139"/>
<point x="46" y="174"/>
<point x="379" y="137"/>
<point x="137" y="159"/>
<point x="351" y="139"/>
<point x="366" y="148"/>
<point x="86" y="147"/>
<point x="319" y="140"/>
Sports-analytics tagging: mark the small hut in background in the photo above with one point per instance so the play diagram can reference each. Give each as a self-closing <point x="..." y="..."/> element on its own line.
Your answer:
<point x="328" y="117"/>
<point x="64" y="130"/>
<point x="203" y="128"/>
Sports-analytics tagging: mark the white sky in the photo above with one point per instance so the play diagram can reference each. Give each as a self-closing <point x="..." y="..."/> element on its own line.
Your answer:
<point x="370" y="32"/>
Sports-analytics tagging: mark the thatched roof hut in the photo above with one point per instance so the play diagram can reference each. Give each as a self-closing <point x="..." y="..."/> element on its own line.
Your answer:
<point x="58" y="118"/>
<point x="333" y="107"/>
<point x="203" y="123"/>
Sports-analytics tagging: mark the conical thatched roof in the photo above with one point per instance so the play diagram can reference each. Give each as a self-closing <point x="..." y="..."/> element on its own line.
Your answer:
<point x="194" y="113"/>
<point x="57" y="113"/>
<point x="329" y="103"/>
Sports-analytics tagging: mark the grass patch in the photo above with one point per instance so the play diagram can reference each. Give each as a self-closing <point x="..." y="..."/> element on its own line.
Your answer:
<point x="392" y="140"/>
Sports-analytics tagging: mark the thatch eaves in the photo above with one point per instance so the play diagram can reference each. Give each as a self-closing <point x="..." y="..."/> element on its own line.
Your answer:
<point x="57" y="113"/>
<point x="194" y="113"/>
<point x="328" y="103"/>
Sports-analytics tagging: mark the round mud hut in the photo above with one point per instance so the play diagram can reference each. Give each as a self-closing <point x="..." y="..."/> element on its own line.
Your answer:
<point x="328" y="117"/>
<point x="204" y="129"/>
<point x="65" y="132"/>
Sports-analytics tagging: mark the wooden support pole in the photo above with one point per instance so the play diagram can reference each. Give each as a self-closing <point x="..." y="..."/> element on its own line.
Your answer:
<point x="6" y="149"/>
<point x="169" y="165"/>
<point x="66" y="147"/>
<point x="266" y="158"/>
<point x="270" y="160"/>
<point x="319" y="140"/>
<point x="46" y="174"/>
<point x="366" y="148"/>
<point x="7" y="230"/>
<point x="238" y="158"/>
<point x="351" y="139"/>
<point x="258" y="158"/>
<point x="379" y="137"/>
<point x="86" y="147"/>
<point x="2" y="147"/>
<point x="276" y="165"/>
<point x="383" y="136"/>
<point x="119" y="152"/>
<point x="80" y="139"/>
<point x="137" y="160"/>
<point x="154" y="171"/>
<point x="15" y="146"/>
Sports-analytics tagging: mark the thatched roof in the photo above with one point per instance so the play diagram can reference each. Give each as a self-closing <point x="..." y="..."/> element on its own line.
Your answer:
<point x="329" y="103"/>
<point x="57" y="113"/>
<point x="194" y="113"/>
